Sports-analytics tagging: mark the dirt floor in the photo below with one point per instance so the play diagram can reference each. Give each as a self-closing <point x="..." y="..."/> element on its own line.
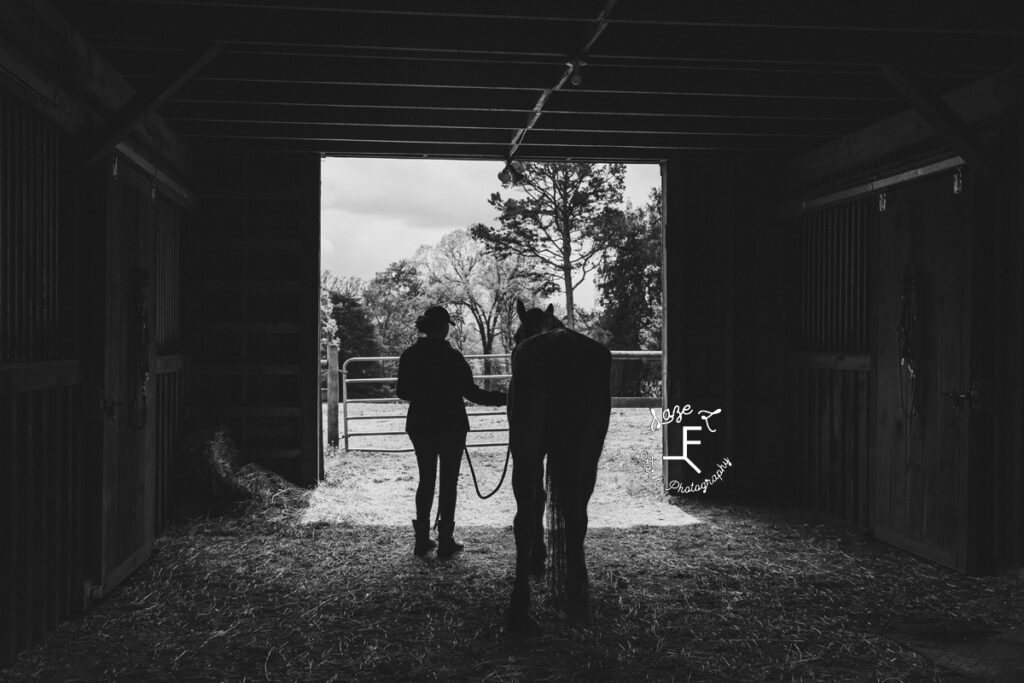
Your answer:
<point x="323" y="586"/>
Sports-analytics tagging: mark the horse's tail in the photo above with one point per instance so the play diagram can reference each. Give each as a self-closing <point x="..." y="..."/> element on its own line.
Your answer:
<point x="558" y="484"/>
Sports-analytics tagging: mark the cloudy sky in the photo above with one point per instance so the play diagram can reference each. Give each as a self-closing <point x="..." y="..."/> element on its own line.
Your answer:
<point x="376" y="211"/>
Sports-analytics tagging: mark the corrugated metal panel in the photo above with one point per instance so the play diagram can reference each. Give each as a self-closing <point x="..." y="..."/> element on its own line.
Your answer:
<point x="29" y="240"/>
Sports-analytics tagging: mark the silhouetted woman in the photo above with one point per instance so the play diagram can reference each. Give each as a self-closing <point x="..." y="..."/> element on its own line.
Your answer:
<point x="435" y="379"/>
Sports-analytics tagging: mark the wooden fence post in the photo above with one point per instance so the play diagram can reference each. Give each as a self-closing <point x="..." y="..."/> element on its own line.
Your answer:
<point x="332" y="394"/>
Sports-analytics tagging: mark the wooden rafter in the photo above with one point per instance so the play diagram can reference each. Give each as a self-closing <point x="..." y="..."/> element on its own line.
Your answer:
<point x="943" y="119"/>
<point x="538" y="109"/>
<point x="143" y="103"/>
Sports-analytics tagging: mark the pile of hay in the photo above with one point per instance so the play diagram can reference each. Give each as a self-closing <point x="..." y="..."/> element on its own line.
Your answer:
<point x="215" y="479"/>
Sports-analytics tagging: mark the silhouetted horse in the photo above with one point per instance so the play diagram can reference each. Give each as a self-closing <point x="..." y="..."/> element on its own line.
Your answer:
<point x="559" y="404"/>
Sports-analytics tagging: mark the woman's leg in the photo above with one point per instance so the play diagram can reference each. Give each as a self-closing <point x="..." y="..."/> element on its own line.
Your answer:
<point x="426" y="458"/>
<point x="450" y="450"/>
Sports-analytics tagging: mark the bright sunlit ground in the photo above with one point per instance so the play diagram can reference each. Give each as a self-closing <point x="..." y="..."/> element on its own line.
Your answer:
<point x="371" y="487"/>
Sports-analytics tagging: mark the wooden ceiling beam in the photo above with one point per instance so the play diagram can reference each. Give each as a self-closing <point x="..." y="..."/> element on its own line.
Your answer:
<point x="944" y="120"/>
<point x="810" y="15"/>
<point x="437" y="136"/>
<point x="539" y="39"/>
<point x="751" y="82"/>
<point x="406" y="150"/>
<point x="199" y="93"/>
<point x="553" y="121"/>
<point x="145" y="102"/>
<point x="571" y="69"/>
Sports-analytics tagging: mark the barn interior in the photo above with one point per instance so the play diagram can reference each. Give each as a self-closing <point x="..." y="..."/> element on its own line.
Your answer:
<point x="843" y="264"/>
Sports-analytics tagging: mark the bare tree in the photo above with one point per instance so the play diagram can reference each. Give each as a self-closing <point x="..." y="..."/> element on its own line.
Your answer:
<point x="561" y="221"/>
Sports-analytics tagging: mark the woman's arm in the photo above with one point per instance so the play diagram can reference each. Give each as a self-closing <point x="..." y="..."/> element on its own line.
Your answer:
<point x="469" y="389"/>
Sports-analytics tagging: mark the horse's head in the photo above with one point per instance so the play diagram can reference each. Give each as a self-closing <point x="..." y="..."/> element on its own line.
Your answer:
<point x="534" y="321"/>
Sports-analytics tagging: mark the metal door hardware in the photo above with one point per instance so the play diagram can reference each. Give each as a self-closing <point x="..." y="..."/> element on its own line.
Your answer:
<point x="972" y="397"/>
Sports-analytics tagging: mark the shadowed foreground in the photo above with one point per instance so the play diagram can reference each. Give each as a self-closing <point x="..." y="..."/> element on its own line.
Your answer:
<point x="272" y="591"/>
<point x="745" y="596"/>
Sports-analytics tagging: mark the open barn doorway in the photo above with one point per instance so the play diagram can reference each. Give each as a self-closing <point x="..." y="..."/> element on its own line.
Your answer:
<point x="400" y="235"/>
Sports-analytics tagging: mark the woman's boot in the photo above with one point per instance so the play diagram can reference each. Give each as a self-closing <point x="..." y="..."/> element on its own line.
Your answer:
<point x="423" y="540"/>
<point x="446" y="540"/>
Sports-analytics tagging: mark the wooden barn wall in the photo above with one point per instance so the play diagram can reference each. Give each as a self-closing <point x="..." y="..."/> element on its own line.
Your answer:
<point x="168" y="393"/>
<point x="254" y="293"/>
<point x="710" y="307"/>
<point x="169" y="412"/>
<point x="830" y="362"/>
<point x="71" y="505"/>
<point x="42" y="535"/>
<point x="947" y="483"/>
<point x="29" y="251"/>
<point x="998" y="354"/>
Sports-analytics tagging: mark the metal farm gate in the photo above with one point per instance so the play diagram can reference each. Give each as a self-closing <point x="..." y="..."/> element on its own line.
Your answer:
<point x="343" y="381"/>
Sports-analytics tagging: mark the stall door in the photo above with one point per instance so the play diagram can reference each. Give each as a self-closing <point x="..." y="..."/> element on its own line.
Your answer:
<point x="923" y="377"/>
<point x="128" y="463"/>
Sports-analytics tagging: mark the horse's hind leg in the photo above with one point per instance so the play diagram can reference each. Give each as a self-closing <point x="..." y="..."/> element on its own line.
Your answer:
<point x="538" y="550"/>
<point x="575" y="563"/>
<point x="525" y="474"/>
<point x="576" y="521"/>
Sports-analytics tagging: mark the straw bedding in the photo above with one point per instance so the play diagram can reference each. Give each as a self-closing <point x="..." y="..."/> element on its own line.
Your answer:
<point x="294" y="585"/>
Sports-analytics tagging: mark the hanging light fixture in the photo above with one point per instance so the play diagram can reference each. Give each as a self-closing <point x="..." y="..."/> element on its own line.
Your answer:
<point x="505" y="176"/>
<point x="512" y="174"/>
<point x="576" y="77"/>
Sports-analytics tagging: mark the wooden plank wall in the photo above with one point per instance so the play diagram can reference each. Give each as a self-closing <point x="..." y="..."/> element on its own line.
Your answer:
<point x="831" y="366"/>
<point x="41" y="452"/>
<point x="709" y="287"/>
<point x="832" y="441"/>
<point x="168" y="395"/>
<point x="41" y="560"/>
<point x="51" y="493"/>
<point x="170" y="222"/>
<point x="29" y="315"/>
<point x="255" y="265"/>
<point x="997" y="428"/>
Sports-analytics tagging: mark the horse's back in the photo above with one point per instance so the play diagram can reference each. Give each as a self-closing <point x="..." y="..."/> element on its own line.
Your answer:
<point x="563" y="380"/>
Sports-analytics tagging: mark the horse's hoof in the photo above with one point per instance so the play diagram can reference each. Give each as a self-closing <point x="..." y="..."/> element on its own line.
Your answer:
<point x="522" y="623"/>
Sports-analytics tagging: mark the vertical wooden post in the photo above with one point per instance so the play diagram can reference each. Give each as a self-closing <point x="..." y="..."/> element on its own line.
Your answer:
<point x="332" y="394"/>
<point x="698" y="289"/>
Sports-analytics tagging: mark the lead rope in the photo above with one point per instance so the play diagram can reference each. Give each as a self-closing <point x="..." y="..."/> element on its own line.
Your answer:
<point x="508" y="453"/>
<point x="476" y="485"/>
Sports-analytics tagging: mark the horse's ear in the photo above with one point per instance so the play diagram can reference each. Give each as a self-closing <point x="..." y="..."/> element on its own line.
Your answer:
<point x="520" y="309"/>
<point x="550" y="309"/>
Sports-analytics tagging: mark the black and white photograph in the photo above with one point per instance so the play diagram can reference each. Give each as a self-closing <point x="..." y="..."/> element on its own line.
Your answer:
<point x="595" y="340"/>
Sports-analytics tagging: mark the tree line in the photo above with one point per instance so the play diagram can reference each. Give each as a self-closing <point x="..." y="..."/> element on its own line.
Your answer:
<point x="561" y="223"/>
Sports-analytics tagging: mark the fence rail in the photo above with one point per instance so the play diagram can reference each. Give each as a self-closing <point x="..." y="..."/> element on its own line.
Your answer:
<point x="338" y="382"/>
